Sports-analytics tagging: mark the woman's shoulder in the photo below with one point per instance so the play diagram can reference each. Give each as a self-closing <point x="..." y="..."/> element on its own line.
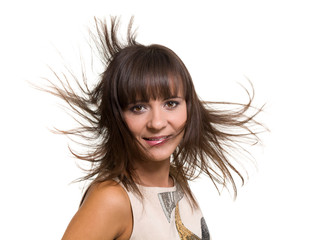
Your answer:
<point x="108" y="192"/>
<point x="104" y="214"/>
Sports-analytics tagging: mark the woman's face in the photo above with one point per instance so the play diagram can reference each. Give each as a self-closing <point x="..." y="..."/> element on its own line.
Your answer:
<point x="158" y="124"/>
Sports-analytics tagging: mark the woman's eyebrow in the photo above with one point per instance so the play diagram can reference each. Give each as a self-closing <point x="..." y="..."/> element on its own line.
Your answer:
<point x="147" y="101"/>
<point x="171" y="97"/>
<point x="138" y="101"/>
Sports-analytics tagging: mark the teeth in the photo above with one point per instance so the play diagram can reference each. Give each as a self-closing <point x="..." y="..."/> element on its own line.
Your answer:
<point x="156" y="139"/>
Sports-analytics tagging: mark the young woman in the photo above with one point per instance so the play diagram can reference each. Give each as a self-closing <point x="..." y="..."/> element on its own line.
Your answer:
<point x="149" y="134"/>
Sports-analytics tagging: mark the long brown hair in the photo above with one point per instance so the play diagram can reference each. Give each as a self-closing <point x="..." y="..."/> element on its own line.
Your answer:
<point x="132" y="71"/>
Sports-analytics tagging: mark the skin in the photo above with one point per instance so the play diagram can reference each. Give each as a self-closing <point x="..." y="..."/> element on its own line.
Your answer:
<point x="149" y="121"/>
<point x="106" y="212"/>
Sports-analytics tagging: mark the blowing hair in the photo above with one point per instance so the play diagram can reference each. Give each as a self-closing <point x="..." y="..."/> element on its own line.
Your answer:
<point x="134" y="71"/>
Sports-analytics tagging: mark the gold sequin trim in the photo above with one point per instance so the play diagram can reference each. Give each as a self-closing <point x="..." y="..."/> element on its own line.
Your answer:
<point x="184" y="233"/>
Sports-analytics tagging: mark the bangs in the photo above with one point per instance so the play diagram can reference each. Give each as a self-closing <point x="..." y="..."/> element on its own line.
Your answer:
<point x="149" y="74"/>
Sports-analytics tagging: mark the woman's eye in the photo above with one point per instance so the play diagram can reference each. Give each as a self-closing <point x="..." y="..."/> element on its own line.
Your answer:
<point x="172" y="104"/>
<point x="137" y="108"/>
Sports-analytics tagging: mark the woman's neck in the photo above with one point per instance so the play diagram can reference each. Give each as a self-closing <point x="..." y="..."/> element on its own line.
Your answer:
<point x="154" y="174"/>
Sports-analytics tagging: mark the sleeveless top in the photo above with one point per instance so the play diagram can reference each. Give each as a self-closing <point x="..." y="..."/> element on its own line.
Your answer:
<point x="165" y="213"/>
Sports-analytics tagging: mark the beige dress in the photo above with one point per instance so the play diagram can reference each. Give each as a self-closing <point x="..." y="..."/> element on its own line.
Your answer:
<point x="166" y="213"/>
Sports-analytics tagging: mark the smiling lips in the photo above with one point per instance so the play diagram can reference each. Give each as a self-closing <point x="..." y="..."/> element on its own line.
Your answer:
<point x="153" y="141"/>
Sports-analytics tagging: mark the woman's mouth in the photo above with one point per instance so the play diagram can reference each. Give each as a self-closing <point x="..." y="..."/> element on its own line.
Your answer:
<point x="153" y="141"/>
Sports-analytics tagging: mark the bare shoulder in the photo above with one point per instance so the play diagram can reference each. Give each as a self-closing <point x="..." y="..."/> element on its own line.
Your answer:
<point x="106" y="193"/>
<point x="104" y="214"/>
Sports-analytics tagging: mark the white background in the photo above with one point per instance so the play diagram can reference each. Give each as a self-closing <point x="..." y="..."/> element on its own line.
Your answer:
<point x="222" y="43"/>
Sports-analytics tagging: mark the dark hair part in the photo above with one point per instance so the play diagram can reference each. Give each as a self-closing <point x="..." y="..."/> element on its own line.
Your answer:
<point x="137" y="72"/>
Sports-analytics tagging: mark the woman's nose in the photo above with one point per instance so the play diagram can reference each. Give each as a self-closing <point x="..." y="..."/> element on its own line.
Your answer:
<point x="157" y="120"/>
